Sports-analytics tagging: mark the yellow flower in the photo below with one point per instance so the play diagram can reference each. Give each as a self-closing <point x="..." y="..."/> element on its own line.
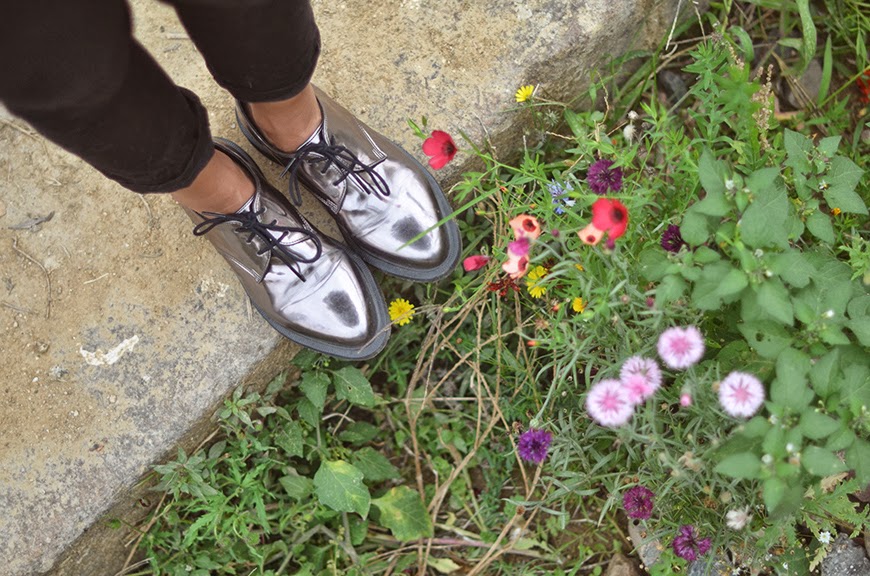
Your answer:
<point x="579" y="267"/>
<point x="525" y="93"/>
<point x="401" y="311"/>
<point x="535" y="274"/>
<point x="578" y="305"/>
<point x="836" y="211"/>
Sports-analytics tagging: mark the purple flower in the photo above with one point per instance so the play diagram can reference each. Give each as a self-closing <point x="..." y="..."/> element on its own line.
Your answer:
<point x="601" y="177"/>
<point x="560" y="197"/>
<point x="672" y="240"/>
<point x="687" y="546"/>
<point x="638" y="502"/>
<point x="533" y="445"/>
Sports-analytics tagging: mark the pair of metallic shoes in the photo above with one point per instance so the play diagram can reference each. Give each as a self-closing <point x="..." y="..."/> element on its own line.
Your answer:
<point x="315" y="290"/>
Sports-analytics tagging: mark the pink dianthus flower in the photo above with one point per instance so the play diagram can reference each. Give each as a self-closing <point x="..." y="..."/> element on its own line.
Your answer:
<point x="741" y="394"/>
<point x="640" y="377"/>
<point x="680" y="348"/>
<point x="608" y="403"/>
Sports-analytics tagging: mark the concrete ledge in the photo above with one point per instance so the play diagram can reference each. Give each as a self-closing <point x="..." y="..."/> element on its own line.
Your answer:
<point x="121" y="333"/>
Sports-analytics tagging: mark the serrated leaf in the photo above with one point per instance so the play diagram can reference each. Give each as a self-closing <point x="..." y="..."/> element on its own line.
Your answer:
<point x="772" y="492"/>
<point x="359" y="433"/>
<point x="314" y="385"/>
<point x="695" y="228"/>
<point x="774" y="298"/>
<point x="842" y="177"/>
<point x="297" y="487"/>
<point x="858" y="459"/>
<point x="669" y="289"/>
<point x="816" y="425"/>
<point x="766" y="337"/>
<point x="374" y="465"/>
<point x="821" y="462"/>
<point x="792" y="268"/>
<point x="289" y="439"/>
<point x="856" y="385"/>
<point x="352" y="385"/>
<point x="819" y="225"/>
<point x="742" y="465"/>
<point x="339" y="485"/>
<point x="308" y="412"/>
<point x="764" y="221"/>
<point x="719" y="283"/>
<point x="402" y="511"/>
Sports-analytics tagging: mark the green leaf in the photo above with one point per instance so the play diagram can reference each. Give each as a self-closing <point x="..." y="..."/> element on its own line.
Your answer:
<point x="669" y="290"/>
<point x="859" y="318"/>
<point x="359" y="433"/>
<point x="816" y="425"/>
<point x="772" y="492"/>
<point x="654" y="264"/>
<point x="824" y="372"/>
<point x="798" y="147"/>
<point x="774" y="298"/>
<point x="843" y="176"/>
<point x="764" y="221"/>
<point x="290" y="439"/>
<point x="374" y="465"/>
<point x="743" y="465"/>
<point x="402" y="511"/>
<point x="819" y="225"/>
<point x="827" y="69"/>
<point x="339" y="486"/>
<point x="793" y="365"/>
<point x="352" y="385"/>
<point x="297" y="487"/>
<point x="314" y="386"/>
<point x="856" y="386"/>
<point x="840" y="440"/>
<point x="808" y="44"/>
<point x="858" y="459"/>
<point x="792" y="267"/>
<point x="821" y="462"/>
<point x="309" y="412"/>
<point x="575" y="123"/>
<point x="720" y="283"/>
<point x="766" y="337"/>
<point x="712" y="174"/>
<point x="695" y="229"/>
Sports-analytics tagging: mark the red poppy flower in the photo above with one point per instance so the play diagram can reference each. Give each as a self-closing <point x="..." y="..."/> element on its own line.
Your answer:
<point x="610" y="216"/>
<point x="863" y="84"/>
<point x="440" y="147"/>
<point x="475" y="262"/>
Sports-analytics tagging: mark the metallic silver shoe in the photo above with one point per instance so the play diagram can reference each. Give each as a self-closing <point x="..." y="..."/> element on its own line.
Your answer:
<point x="305" y="284"/>
<point x="379" y="195"/>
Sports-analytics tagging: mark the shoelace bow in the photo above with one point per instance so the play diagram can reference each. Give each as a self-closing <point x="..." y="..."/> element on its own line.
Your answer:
<point x="345" y="160"/>
<point x="249" y="222"/>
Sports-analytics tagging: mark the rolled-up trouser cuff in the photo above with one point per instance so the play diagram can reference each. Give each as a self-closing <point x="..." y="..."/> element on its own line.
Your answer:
<point x="200" y="153"/>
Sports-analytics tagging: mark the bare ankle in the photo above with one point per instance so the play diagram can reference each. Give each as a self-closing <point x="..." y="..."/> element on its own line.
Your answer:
<point x="222" y="187"/>
<point x="288" y="123"/>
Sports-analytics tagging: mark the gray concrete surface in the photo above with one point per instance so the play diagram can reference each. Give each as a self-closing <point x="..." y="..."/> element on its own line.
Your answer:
<point x="120" y="333"/>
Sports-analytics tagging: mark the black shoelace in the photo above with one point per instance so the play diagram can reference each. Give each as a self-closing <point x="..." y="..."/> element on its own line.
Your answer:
<point x="345" y="160"/>
<point x="249" y="222"/>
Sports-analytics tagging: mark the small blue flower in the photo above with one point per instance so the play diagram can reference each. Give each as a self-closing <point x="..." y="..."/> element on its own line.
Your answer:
<point x="560" y="197"/>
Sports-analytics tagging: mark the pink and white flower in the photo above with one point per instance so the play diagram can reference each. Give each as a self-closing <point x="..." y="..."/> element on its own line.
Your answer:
<point x="681" y="347"/>
<point x="741" y="394"/>
<point x="640" y="377"/>
<point x="608" y="403"/>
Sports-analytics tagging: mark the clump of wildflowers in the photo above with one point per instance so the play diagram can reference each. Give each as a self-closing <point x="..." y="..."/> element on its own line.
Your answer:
<point x="687" y="545"/>
<point x="601" y="177"/>
<point x="741" y="394"/>
<point x="608" y="403"/>
<point x="681" y="348"/>
<point x="638" y="502"/>
<point x="641" y="377"/>
<point x="560" y="197"/>
<point x="672" y="240"/>
<point x="534" y="444"/>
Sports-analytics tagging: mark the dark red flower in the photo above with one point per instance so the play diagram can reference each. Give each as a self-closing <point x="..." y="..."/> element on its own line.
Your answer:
<point x="601" y="177"/>
<point x="440" y="147"/>
<point x="863" y="83"/>
<point x="672" y="240"/>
